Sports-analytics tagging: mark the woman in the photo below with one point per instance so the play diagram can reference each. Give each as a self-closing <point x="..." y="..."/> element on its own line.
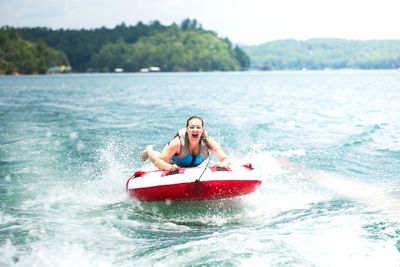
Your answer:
<point x="189" y="148"/>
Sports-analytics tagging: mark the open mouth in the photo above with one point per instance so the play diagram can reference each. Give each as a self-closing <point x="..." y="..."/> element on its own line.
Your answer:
<point x="195" y="135"/>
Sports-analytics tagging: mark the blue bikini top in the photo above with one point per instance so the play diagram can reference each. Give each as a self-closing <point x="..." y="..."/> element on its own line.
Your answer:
<point x="184" y="158"/>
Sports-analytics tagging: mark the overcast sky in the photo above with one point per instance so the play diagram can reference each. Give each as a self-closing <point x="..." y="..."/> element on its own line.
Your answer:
<point x="242" y="21"/>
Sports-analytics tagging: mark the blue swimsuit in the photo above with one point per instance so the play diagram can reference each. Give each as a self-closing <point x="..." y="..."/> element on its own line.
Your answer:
<point x="188" y="160"/>
<point x="185" y="158"/>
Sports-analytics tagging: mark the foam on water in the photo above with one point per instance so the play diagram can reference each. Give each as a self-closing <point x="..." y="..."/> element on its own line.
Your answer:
<point x="78" y="208"/>
<point x="371" y="196"/>
<point x="292" y="189"/>
<point x="62" y="254"/>
<point x="345" y="235"/>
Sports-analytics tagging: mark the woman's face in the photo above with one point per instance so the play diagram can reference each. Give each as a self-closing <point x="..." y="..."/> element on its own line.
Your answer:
<point x="194" y="130"/>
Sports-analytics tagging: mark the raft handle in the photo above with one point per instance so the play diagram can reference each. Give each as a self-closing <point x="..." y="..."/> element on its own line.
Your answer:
<point x="177" y="171"/>
<point x="249" y="166"/>
<point x="216" y="168"/>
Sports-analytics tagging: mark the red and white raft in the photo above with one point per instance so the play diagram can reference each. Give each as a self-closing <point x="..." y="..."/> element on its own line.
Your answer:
<point x="184" y="184"/>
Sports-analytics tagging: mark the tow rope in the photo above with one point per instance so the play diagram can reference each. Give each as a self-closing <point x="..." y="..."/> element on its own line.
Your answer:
<point x="205" y="168"/>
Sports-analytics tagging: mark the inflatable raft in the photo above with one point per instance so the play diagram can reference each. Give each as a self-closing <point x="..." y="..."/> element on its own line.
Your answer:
<point x="197" y="183"/>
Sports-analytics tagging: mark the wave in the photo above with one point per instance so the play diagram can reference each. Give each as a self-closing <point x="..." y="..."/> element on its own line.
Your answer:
<point x="362" y="138"/>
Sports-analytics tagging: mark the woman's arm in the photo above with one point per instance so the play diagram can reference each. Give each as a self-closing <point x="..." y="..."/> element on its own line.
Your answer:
<point x="169" y="150"/>
<point x="219" y="153"/>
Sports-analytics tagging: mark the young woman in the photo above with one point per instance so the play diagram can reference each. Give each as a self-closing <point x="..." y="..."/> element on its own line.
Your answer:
<point x="189" y="148"/>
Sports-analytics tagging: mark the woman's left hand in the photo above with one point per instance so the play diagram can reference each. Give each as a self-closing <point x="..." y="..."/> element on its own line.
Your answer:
<point x="223" y="164"/>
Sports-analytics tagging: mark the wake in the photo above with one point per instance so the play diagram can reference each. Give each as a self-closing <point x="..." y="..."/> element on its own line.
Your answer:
<point x="371" y="196"/>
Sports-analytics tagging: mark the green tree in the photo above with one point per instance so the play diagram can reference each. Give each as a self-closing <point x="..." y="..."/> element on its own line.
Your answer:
<point x="20" y="56"/>
<point x="142" y="45"/>
<point x="325" y="54"/>
<point x="171" y="50"/>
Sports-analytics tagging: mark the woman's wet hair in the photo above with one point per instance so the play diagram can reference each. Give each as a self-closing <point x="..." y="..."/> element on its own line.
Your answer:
<point x="194" y="117"/>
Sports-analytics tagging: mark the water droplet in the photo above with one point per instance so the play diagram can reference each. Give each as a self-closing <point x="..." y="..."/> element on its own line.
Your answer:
<point x="80" y="146"/>
<point x="73" y="135"/>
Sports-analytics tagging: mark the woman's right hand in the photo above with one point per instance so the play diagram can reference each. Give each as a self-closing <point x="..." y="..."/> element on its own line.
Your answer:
<point x="173" y="168"/>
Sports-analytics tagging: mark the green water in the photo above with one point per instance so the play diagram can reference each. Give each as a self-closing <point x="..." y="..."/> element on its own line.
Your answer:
<point x="68" y="144"/>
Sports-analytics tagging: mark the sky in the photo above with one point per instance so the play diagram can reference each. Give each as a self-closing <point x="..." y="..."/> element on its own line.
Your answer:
<point x="250" y="22"/>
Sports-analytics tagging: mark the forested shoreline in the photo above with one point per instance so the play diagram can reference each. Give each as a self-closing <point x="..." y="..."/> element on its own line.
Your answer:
<point x="184" y="47"/>
<point x="18" y="56"/>
<point x="178" y="48"/>
<point x="329" y="53"/>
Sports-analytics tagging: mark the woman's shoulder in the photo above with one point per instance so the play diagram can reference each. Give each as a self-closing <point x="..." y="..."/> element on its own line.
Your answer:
<point x="175" y="142"/>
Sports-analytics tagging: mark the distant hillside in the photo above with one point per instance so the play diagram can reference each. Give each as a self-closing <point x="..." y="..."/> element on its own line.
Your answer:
<point x="186" y="47"/>
<point x="318" y="54"/>
<point x="18" y="56"/>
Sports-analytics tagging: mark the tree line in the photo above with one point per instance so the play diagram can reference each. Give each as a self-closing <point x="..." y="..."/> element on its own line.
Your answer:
<point x="316" y="54"/>
<point x="184" y="47"/>
<point x="18" y="56"/>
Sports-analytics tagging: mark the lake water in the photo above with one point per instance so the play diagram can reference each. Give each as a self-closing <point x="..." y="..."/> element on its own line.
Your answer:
<point x="326" y="145"/>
